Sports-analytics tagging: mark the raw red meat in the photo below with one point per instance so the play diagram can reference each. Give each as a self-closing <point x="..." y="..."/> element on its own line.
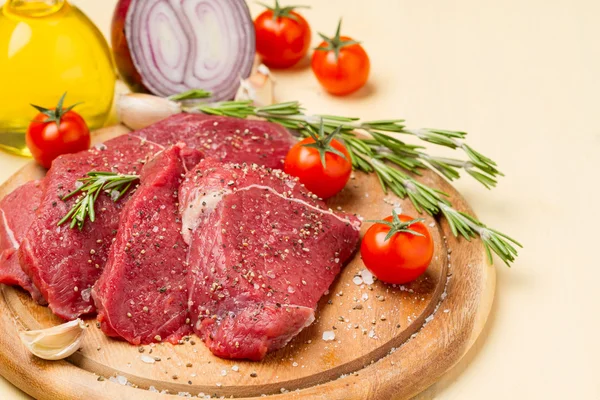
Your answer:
<point x="142" y="296"/>
<point x="262" y="252"/>
<point x="64" y="263"/>
<point x="17" y="211"/>
<point x="224" y="138"/>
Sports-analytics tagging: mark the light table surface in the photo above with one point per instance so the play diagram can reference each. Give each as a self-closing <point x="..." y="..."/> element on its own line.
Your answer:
<point x="523" y="77"/>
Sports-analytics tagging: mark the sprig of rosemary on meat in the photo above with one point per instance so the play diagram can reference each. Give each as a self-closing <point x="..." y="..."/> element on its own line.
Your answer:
<point x="377" y="153"/>
<point x="113" y="184"/>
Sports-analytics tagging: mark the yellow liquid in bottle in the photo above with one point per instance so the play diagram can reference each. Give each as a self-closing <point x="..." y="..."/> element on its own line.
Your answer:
<point x="48" y="48"/>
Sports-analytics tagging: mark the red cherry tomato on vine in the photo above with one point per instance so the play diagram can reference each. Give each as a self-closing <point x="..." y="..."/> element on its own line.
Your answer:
<point x="306" y="164"/>
<point x="282" y="36"/>
<point x="400" y="257"/>
<point x="341" y="65"/>
<point x="57" y="131"/>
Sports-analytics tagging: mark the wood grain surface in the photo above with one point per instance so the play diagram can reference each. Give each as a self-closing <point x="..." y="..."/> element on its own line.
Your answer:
<point x="390" y="342"/>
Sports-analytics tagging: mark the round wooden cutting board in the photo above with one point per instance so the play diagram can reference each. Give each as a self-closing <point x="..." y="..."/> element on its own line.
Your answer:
<point x="390" y="342"/>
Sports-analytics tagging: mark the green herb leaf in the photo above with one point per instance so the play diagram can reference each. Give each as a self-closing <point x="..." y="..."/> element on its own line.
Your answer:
<point x="193" y="94"/>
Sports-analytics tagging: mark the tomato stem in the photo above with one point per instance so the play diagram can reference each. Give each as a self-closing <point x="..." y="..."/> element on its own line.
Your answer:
<point x="397" y="226"/>
<point x="282" y="12"/>
<point x="55" y="115"/>
<point x="323" y="142"/>
<point x="335" y="43"/>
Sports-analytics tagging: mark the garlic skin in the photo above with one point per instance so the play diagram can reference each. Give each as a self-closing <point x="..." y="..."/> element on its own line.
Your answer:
<point x="259" y="87"/>
<point x="138" y="110"/>
<point x="55" y="343"/>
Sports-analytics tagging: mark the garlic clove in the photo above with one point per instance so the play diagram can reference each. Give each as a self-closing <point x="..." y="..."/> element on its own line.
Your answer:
<point x="259" y="87"/>
<point x="138" y="110"/>
<point x="55" y="343"/>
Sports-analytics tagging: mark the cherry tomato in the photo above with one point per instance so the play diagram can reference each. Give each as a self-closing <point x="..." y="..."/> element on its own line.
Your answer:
<point x="56" y="131"/>
<point x="401" y="258"/>
<point x="341" y="65"/>
<point x="305" y="163"/>
<point x="282" y="36"/>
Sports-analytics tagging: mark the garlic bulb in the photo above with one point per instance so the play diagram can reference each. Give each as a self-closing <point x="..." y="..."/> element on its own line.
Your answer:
<point x="137" y="110"/>
<point x="259" y="87"/>
<point x="55" y="343"/>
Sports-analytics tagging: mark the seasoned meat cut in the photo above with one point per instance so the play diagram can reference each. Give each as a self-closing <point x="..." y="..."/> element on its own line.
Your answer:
<point x="263" y="251"/>
<point x="64" y="263"/>
<point x="224" y="138"/>
<point x="17" y="211"/>
<point x="142" y="296"/>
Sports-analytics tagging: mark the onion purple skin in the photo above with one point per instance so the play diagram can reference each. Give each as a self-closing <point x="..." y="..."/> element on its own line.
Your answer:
<point x="208" y="44"/>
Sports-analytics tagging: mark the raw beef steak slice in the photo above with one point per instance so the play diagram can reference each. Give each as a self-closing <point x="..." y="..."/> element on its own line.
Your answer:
<point x="64" y="263"/>
<point x="142" y="296"/>
<point x="17" y="211"/>
<point x="262" y="253"/>
<point x="224" y="138"/>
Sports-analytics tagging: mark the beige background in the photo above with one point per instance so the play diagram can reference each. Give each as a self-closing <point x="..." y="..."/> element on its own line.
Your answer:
<point x="523" y="77"/>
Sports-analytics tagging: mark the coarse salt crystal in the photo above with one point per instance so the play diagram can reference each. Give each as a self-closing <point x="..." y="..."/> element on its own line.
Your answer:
<point x="223" y="373"/>
<point x="121" y="380"/>
<point x="235" y="368"/>
<point x="147" y="359"/>
<point x="114" y="195"/>
<point x="365" y="297"/>
<point x="357" y="280"/>
<point x="367" y="276"/>
<point x="294" y="364"/>
<point x="328" y="336"/>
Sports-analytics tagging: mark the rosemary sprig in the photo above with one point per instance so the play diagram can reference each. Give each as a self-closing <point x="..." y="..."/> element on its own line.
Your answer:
<point x="375" y="154"/>
<point x="381" y="146"/>
<point x="116" y="185"/>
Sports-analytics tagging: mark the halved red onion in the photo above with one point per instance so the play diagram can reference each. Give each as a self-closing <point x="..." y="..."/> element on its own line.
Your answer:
<point x="171" y="46"/>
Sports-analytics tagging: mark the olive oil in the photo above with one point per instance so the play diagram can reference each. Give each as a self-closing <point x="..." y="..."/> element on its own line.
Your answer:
<point x="48" y="48"/>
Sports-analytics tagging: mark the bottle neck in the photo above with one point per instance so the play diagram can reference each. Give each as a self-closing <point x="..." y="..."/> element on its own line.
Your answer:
<point x="33" y="8"/>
